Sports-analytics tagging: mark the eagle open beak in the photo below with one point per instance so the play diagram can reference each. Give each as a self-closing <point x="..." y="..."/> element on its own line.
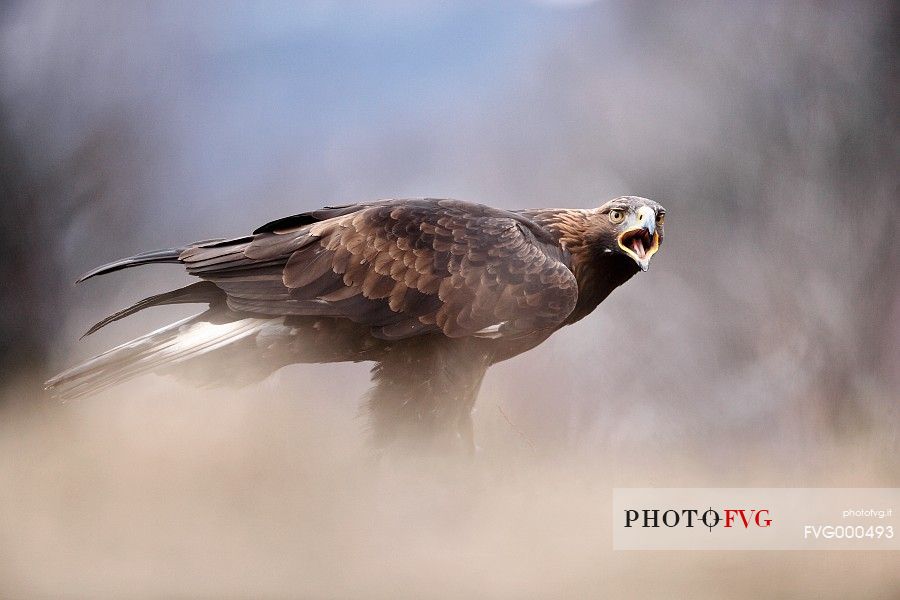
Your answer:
<point x="640" y="239"/>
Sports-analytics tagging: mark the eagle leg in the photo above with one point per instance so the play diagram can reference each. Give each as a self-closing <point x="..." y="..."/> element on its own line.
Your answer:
<point x="423" y="394"/>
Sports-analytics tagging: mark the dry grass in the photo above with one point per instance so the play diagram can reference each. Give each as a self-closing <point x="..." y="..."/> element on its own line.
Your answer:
<point x="170" y="492"/>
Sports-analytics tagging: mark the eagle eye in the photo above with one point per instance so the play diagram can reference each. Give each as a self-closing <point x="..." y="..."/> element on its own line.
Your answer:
<point x="616" y="215"/>
<point x="660" y="218"/>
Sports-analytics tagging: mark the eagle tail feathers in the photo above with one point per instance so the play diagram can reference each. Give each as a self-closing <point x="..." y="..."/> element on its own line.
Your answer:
<point x="167" y="347"/>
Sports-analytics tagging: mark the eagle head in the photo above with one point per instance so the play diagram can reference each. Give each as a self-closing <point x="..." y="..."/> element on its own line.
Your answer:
<point x="632" y="226"/>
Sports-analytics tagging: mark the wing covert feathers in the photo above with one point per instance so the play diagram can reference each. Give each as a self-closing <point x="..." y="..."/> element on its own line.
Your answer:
<point x="401" y="267"/>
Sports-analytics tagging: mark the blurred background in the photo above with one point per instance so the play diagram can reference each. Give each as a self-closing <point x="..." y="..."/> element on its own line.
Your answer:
<point x="766" y="334"/>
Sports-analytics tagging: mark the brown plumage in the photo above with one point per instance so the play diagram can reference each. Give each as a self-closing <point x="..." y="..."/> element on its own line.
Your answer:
<point x="432" y="291"/>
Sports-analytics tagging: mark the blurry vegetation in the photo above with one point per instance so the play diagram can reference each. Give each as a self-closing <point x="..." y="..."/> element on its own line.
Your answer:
<point x="43" y="198"/>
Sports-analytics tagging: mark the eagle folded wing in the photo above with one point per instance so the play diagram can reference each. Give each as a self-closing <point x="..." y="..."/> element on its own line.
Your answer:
<point x="402" y="267"/>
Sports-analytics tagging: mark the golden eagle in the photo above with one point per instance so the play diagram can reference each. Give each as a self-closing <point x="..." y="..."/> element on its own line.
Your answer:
<point x="432" y="291"/>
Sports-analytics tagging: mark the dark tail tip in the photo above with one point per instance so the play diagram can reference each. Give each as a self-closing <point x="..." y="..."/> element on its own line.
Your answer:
<point x="167" y="255"/>
<point x="203" y="292"/>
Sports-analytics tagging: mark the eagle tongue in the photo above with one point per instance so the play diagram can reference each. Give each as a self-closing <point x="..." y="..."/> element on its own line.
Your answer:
<point x="637" y="244"/>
